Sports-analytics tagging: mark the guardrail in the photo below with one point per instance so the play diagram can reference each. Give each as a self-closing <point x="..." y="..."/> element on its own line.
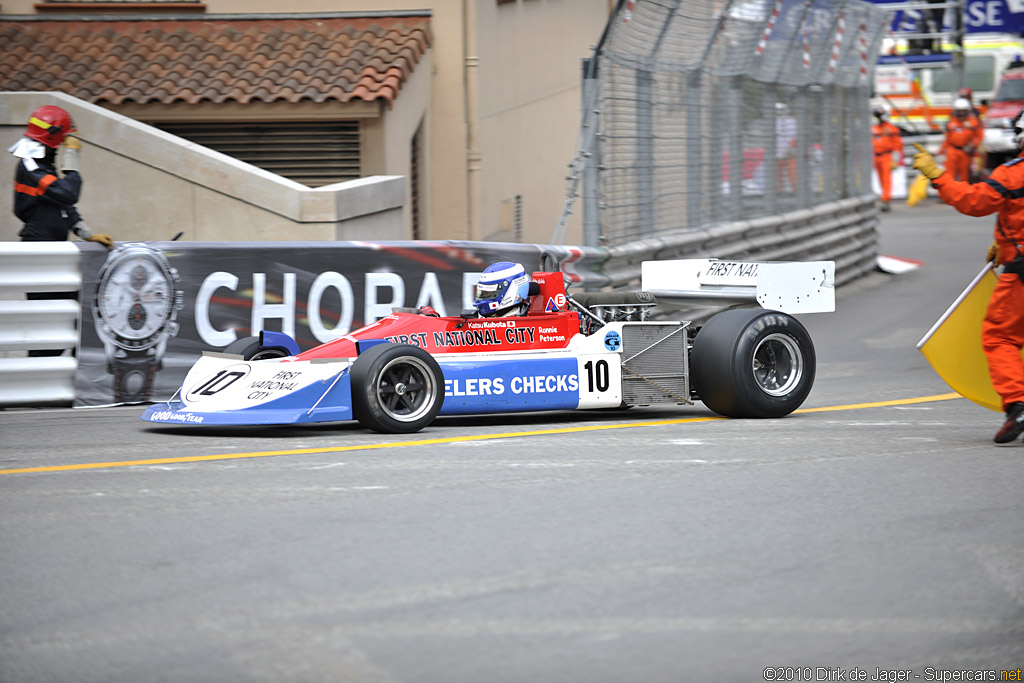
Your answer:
<point x="27" y="324"/>
<point x="843" y="231"/>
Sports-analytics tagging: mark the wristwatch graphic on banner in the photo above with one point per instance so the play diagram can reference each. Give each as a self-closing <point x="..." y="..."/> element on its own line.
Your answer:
<point x="135" y="308"/>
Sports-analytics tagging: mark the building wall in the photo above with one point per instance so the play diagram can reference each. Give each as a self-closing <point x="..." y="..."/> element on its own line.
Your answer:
<point x="529" y="91"/>
<point x="511" y="132"/>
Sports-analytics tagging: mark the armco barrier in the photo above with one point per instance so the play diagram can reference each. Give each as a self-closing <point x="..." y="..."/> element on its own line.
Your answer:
<point x="843" y="231"/>
<point x="37" y="324"/>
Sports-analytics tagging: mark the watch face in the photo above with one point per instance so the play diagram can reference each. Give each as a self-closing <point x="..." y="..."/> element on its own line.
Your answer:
<point x="135" y="299"/>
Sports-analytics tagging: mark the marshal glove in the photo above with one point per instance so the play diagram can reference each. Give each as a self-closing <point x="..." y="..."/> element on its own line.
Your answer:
<point x="926" y="164"/>
<point x="993" y="254"/>
<point x="83" y="231"/>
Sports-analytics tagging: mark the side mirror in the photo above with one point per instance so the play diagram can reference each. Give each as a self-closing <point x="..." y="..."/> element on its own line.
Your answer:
<point x="466" y="314"/>
<point x="534" y="289"/>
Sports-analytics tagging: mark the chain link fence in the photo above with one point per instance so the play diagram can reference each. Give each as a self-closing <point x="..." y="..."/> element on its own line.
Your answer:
<point x="709" y="111"/>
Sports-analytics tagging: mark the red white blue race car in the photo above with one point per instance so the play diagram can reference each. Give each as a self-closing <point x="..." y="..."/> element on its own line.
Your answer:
<point x="568" y="352"/>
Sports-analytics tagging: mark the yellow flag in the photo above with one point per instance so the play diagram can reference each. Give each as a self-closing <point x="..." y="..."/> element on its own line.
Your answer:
<point x="918" y="190"/>
<point x="953" y="345"/>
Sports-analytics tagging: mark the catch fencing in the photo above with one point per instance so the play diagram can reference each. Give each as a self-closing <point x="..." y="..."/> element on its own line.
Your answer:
<point x="700" y="113"/>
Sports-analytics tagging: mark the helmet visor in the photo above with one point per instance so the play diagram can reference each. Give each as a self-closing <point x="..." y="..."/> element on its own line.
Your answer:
<point x="490" y="291"/>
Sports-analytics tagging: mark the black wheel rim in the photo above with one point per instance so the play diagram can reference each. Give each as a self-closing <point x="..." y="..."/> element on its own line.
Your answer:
<point x="406" y="389"/>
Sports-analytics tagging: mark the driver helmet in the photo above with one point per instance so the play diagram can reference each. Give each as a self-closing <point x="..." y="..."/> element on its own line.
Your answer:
<point x="502" y="287"/>
<point x="961" y="108"/>
<point x="49" y="125"/>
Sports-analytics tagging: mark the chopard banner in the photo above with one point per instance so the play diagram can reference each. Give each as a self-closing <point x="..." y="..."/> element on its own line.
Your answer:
<point x="149" y="309"/>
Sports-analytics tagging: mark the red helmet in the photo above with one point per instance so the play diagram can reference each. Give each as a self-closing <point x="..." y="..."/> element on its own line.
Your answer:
<point x="966" y="94"/>
<point x="49" y="125"/>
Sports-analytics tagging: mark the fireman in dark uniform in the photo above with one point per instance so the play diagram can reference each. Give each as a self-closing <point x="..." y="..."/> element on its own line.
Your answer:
<point x="1002" y="333"/>
<point x="43" y="200"/>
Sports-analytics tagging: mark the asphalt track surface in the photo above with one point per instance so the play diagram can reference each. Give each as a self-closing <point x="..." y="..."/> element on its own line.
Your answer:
<point x="875" y="532"/>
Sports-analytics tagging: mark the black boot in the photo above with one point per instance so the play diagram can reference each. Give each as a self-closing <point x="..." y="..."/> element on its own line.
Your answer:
<point x="1014" y="425"/>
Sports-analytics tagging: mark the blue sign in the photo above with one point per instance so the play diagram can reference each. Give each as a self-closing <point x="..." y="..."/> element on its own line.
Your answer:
<point x="980" y="16"/>
<point x="994" y="16"/>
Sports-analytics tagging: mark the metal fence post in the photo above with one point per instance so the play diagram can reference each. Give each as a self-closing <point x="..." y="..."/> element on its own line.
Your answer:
<point x="695" y="151"/>
<point x="591" y="156"/>
<point x="644" y="151"/>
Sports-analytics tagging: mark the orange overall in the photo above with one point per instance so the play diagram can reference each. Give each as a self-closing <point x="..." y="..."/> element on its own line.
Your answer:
<point x="885" y="139"/>
<point x="1002" y="333"/>
<point x="962" y="139"/>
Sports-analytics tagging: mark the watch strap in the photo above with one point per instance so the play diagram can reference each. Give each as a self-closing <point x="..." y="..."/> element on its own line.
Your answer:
<point x="133" y="378"/>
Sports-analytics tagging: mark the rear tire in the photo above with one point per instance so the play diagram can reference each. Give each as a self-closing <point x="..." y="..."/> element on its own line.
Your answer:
<point x="396" y="388"/>
<point x="752" y="363"/>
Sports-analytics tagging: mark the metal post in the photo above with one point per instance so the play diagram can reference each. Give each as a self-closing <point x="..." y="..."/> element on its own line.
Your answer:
<point x="957" y="36"/>
<point x="802" y="149"/>
<point x="694" y="149"/>
<point x="831" y="125"/>
<point x="771" y="162"/>
<point x="735" y="95"/>
<point x="644" y="151"/>
<point x="591" y="158"/>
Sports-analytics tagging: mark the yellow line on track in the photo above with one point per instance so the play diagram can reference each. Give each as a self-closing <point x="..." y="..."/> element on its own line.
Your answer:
<point x="452" y="439"/>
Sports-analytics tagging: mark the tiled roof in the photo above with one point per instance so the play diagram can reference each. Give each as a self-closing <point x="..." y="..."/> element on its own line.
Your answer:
<point x="214" y="59"/>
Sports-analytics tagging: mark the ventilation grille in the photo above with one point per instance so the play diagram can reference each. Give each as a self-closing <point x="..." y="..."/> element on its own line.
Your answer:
<point x="654" y="368"/>
<point x="313" y="153"/>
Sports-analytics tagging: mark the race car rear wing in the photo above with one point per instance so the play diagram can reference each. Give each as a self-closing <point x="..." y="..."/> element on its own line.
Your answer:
<point x="790" y="287"/>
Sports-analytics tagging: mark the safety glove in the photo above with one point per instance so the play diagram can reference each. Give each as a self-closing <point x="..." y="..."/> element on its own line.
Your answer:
<point x="926" y="164"/>
<point x="83" y="231"/>
<point x="993" y="254"/>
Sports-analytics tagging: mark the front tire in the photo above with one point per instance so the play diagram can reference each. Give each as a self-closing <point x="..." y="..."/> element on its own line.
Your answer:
<point x="396" y="388"/>
<point x="249" y="348"/>
<point x="752" y="363"/>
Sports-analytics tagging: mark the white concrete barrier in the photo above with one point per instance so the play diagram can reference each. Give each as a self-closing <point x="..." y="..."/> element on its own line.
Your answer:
<point x="37" y="381"/>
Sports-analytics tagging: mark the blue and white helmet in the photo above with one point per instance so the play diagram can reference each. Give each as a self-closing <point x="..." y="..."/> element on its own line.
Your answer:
<point x="501" y="286"/>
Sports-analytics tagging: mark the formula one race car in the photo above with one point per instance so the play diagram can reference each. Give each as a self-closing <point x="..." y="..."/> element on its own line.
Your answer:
<point x="585" y="351"/>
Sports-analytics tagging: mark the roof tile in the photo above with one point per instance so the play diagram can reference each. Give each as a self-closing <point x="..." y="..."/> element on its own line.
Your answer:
<point x="214" y="58"/>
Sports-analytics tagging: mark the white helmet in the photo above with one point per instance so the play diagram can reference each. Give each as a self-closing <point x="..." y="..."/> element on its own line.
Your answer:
<point x="881" y="111"/>
<point x="961" y="104"/>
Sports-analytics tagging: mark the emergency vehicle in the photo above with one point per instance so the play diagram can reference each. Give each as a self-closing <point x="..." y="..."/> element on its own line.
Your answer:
<point x="920" y="88"/>
<point x="1004" y="107"/>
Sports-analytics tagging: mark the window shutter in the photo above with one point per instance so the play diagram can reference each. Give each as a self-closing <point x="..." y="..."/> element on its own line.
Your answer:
<point x="313" y="153"/>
